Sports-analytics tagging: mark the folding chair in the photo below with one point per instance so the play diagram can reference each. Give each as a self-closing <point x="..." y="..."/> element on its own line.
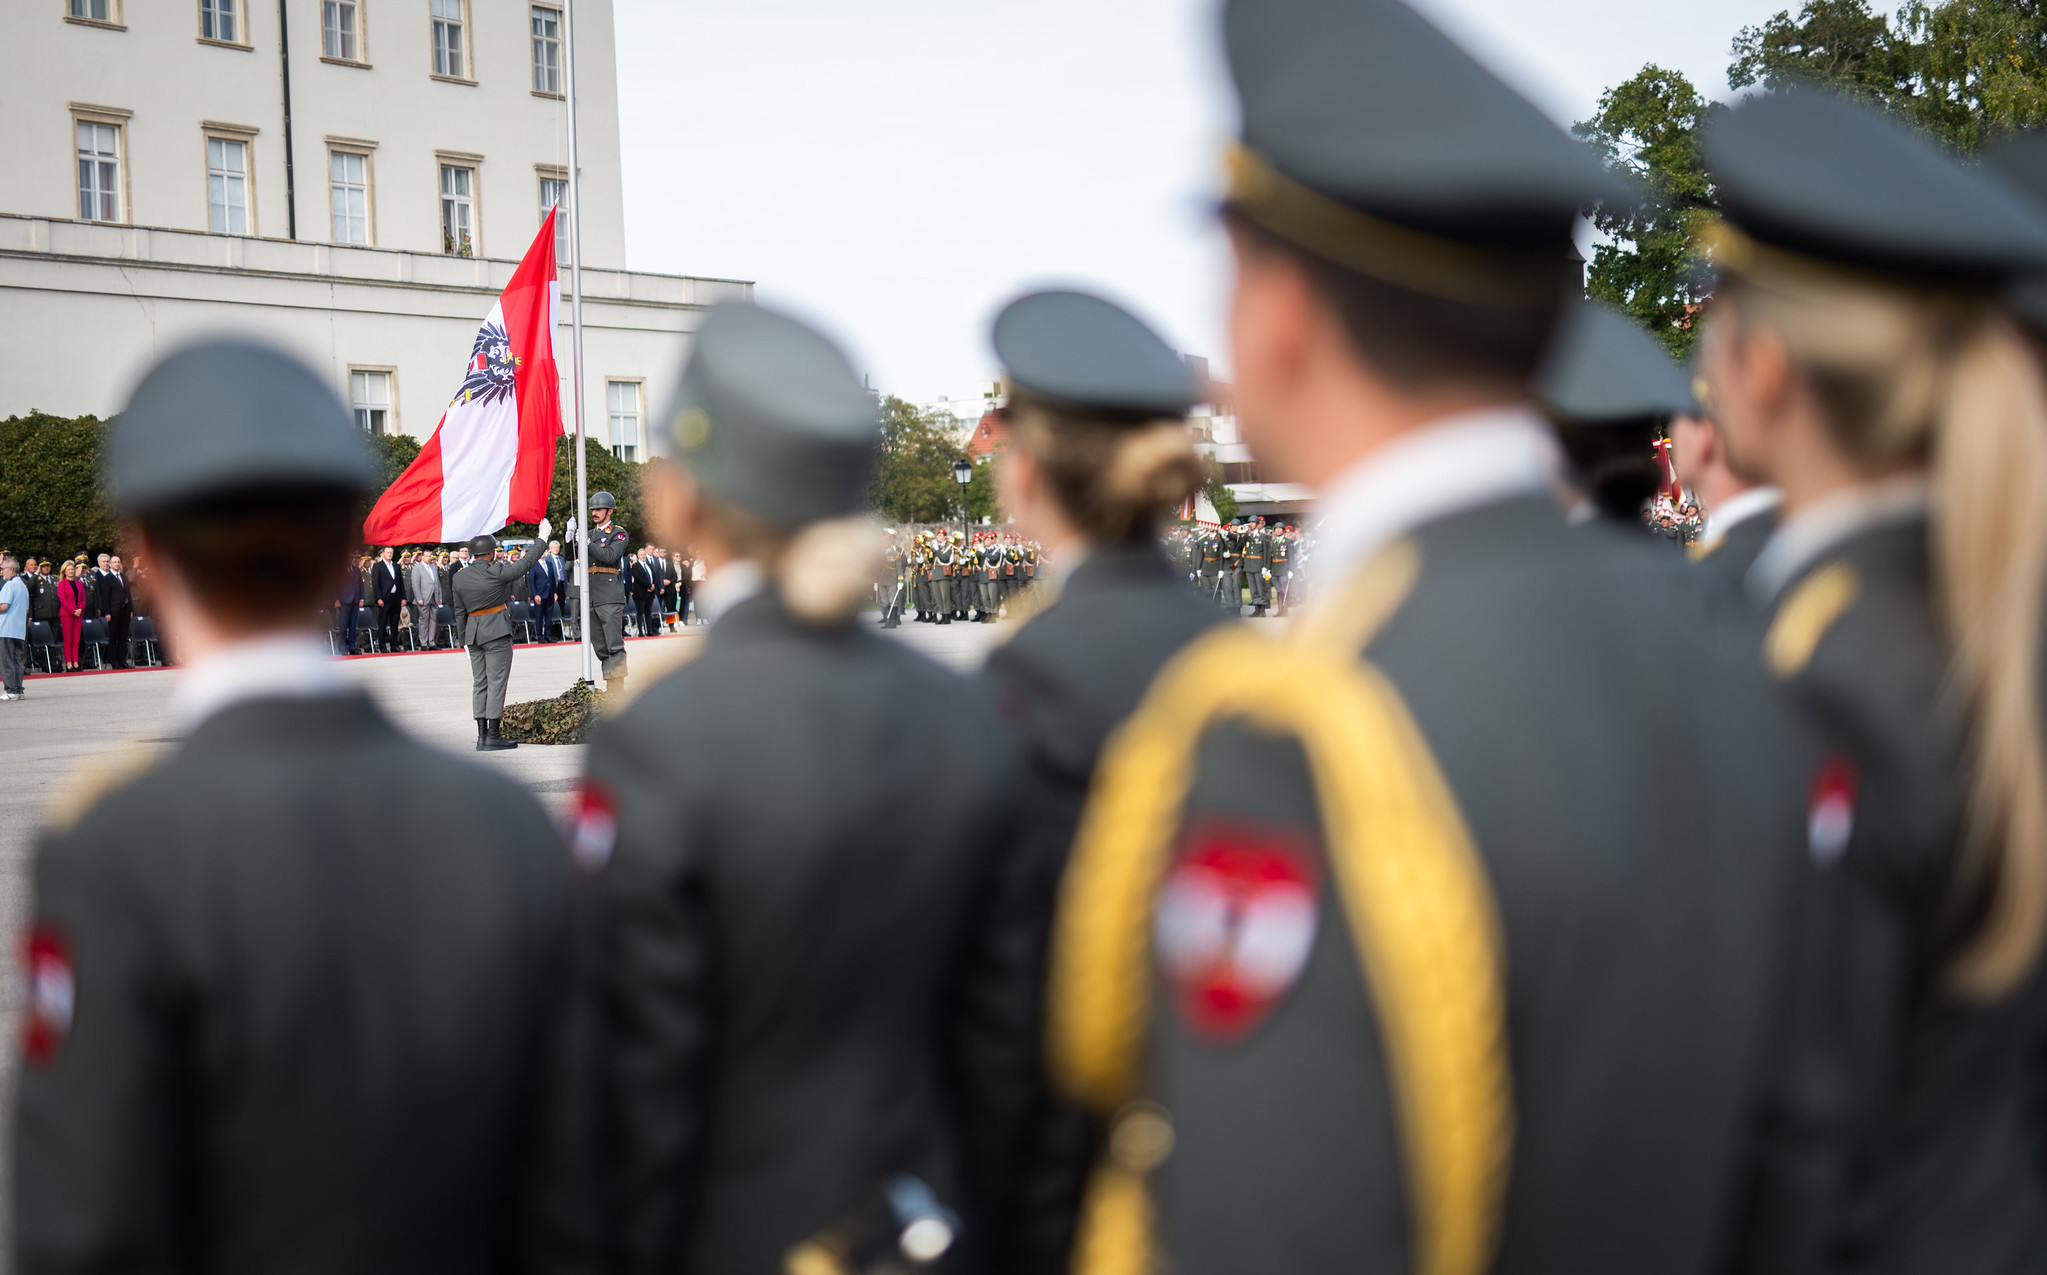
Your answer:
<point x="144" y="633"/>
<point x="92" y="634"/>
<point x="41" y="641"/>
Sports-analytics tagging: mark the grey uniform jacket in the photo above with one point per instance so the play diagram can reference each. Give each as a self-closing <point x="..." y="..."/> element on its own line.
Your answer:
<point x="481" y="585"/>
<point x="1644" y="849"/>
<point x="300" y="1039"/>
<point x="606" y="547"/>
<point x="1930" y="1105"/>
<point x="1064" y="681"/>
<point x="794" y="854"/>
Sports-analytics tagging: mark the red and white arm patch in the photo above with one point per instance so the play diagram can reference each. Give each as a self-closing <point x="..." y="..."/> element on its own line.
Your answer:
<point x="1235" y="923"/>
<point x="52" y="996"/>
<point x="593" y="827"/>
<point x="1830" y="810"/>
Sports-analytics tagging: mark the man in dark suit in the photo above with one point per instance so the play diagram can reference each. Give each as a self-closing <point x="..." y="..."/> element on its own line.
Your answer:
<point x="387" y="597"/>
<point x="268" y="1030"/>
<point x="664" y="587"/>
<point x="641" y="585"/>
<point x="118" y="608"/>
<point x="544" y="583"/>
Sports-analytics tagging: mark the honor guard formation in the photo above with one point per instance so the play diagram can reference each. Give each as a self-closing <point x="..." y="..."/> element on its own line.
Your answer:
<point x="1526" y="897"/>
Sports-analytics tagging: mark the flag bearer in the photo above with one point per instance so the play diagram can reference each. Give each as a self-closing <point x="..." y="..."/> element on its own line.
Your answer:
<point x="483" y="600"/>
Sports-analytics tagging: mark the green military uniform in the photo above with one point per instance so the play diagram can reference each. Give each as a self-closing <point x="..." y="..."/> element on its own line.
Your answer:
<point x="1256" y="555"/>
<point x="1382" y="947"/>
<point x="942" y="559"/>
<point x="604" y="549"/>
<point x="288" y="979"/>
<point x="483" y="616"/>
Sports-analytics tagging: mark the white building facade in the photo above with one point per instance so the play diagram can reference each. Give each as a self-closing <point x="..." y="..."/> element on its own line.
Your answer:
<point x="352" y="179"/>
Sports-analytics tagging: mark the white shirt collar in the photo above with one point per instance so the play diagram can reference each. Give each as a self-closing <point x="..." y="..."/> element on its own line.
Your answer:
<point x="1444" y="467"/>
<point x="1752" y="502"/>
<point x="1806" y="536"/>
<point x="281" y="666"/>
<point x="727" y="587"/>
<point x="1058" y="565"/>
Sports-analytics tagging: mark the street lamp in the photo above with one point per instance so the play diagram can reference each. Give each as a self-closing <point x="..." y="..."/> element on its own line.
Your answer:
<point x="963" y="473"/>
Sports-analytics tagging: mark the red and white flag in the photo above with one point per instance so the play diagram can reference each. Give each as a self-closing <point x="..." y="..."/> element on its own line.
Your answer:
<point x="491" y="458"/>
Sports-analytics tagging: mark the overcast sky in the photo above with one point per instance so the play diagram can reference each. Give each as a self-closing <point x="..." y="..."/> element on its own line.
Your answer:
<point x="897" y="169"/>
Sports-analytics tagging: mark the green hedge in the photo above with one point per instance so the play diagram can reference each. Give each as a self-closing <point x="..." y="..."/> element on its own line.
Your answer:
<point x="51" y="504"/>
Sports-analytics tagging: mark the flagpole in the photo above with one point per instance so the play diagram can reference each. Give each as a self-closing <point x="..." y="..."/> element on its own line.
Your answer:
<point x="582" y="513"/>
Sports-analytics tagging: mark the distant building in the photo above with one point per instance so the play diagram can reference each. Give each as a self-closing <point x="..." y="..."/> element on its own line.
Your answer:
<point x="352" y="179"/>
<point x="1214" y="424"/>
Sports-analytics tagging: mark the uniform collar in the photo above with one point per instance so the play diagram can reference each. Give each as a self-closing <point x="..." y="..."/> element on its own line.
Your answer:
<point x="280" y="666"/>
<point x="1737" y="509"/>
<point x="1444" y="467"/>
<point x="1810" y="534"/>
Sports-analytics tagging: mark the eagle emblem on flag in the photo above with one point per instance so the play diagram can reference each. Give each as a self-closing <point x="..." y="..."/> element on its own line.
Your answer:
<point x="493" y="370"/>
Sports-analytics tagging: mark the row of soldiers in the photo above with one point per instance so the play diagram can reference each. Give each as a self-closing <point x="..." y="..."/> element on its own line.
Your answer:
<point x="1538" y="900"/>
<point x="1242" y="558"/>
<point x="945" y="576"/>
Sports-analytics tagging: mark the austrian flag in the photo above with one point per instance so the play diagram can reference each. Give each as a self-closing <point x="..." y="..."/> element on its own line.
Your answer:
<point x="491" y="458"/>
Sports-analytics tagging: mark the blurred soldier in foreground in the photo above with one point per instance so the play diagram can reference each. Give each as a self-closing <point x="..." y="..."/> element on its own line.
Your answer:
<point x="483" y="599"/>
<point x="1609" y="389"/>
<point x="1420" y="940"/>
<point x="604" y="549"/>
<point x="794" y="853"/>
<point x="267" y="1029"/>
<point x="1099" y="455"/>
<point x="1858" y="359"/>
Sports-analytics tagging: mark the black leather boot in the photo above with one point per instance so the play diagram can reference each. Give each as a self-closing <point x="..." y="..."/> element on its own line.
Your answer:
<point x="496" y="742"/>
<point x="482" y="735"/>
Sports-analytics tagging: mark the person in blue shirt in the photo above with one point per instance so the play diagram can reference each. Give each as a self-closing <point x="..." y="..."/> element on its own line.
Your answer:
<point x="13" y="628"/>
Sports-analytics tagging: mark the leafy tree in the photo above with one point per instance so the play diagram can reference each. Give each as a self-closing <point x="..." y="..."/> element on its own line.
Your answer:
<point x="913" y="476"/>
<point x="604" y="472"/>
<point x="1219" y="494"/>
<point x="51" y="502"/>
<point x="395" y="452"/>
<point x="1648" y="128"/>
<point x="1963" y="70"/>
<point x="1839" y="43"/>
<point x="981" y="502"/>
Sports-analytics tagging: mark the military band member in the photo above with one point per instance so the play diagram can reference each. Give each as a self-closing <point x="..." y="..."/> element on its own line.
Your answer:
<point x="604" y="553"/>
<point x="483" y="599"/>
<point x="991" y="579"/>
<point x="1099" y="454"/>
<point x="773" y="948"/>
<point x="268" y="1026"/>
<point x="1359" y="948"/>
<point x="941" y="578"/>
<point x="1857" y="357"/>
<point x="1282" y="567"/>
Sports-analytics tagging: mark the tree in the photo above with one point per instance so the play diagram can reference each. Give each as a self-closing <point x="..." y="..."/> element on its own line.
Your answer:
<point x="1648" y="129"/>
<point x="913" y="475"/>
<point x="51" y="501"/>
<point x="1219" y="494"/>
<point x="604" y="472"/>
<point x="1962" y="70"/>
<point x="394" y="452"/>
<point x="981" y="502"/>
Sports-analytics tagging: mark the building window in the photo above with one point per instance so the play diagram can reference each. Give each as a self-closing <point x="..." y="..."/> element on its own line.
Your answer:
<point x="217" y="21"/>
<point x="625" y="419"/>
<point x="94" y="10"/>
<point x="369" y="393"/>
<point x="348" y="178"/>
<point x="227" y="186"/>
<point x="449" y="59"/>
<point x="99" y="172"/>
<point x="340" y="30"/>
<point x="554" y="192"/>
<point x="458" y="210"/>
<point x="547" y="50"/>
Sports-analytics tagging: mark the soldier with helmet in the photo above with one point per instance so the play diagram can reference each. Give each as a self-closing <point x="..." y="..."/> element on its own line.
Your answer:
<point x="483" y="600"/>
<point x="605" y="551"/>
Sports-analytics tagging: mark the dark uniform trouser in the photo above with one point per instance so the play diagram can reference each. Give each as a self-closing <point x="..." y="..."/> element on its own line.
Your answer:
<point x="991" y="595"/>
<point x="1260" y="593"/>
<point x="490" y="667"/>
<point x="941" y="587"/>
<point x="607" y="637"/>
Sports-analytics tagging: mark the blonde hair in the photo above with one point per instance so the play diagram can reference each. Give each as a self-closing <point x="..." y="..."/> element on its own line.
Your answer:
<point x="1911" y="376"/>
<point x="1116" y="478"/>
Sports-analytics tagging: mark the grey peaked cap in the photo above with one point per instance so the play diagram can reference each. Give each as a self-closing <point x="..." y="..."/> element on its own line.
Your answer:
<point x="1605" y="367"/>
<point x="1079" y="350"/>
<point x="228" y="415"/>
<point x="771" y="418"/>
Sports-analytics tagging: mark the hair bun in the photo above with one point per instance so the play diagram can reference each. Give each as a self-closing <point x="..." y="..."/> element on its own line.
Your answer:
<point x="828" y="569"/>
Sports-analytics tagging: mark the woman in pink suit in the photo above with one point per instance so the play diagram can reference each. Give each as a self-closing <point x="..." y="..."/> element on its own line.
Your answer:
<point x="71" y="603"/>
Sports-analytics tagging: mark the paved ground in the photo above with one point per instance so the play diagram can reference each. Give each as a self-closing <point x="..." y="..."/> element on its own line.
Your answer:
<point x="67" y="725"/>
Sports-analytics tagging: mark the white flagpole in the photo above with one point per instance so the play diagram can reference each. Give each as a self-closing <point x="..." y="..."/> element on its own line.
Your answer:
<point x="582" y="513"/>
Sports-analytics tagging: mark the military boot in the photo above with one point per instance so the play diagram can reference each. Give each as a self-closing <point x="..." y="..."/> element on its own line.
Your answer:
<point x="495" y="741"/>
<point x="482" y="735"/>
